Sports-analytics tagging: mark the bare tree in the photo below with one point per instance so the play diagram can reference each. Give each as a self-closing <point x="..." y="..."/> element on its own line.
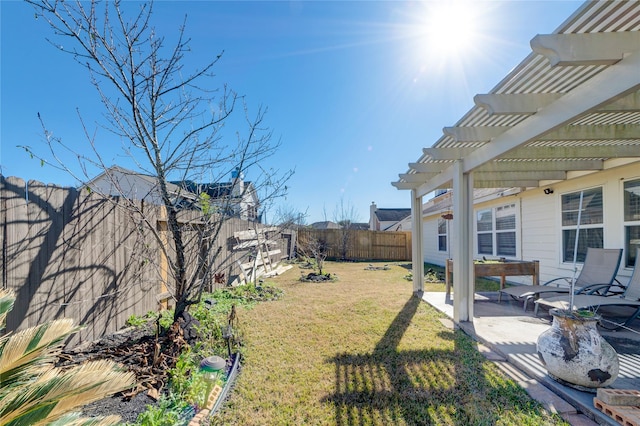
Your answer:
<point x="315" y="248"/>
<point x="345" y="215"/>
<point x="288" y="217"/>
<point x="170" y="121"/>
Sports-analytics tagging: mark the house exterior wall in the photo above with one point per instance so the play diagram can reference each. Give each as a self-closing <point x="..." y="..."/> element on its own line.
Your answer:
<point x="539" y="226"/>
<point x="385" y="225"/>
<point x="244" y="207"/>
<point x="430" y="237"/>
<point x="403" y="225"/>
<point x="542" y="237"/>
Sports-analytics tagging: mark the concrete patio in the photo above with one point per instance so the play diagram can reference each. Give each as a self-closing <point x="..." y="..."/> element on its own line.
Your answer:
<point x="510" y="334"/>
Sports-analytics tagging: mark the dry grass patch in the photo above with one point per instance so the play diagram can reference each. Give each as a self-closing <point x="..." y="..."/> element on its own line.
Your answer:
<point x="364" y="351"/>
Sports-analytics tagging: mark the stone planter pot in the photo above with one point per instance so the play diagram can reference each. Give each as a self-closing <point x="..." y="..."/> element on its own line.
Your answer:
<point x="575" y="354"/>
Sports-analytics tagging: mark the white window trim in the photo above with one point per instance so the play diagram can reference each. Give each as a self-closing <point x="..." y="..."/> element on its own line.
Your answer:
<point x="446" y="235"/>
<point x="626" y="223"/>
<point x="582" y="226"/>
<point x="517" y="230"/>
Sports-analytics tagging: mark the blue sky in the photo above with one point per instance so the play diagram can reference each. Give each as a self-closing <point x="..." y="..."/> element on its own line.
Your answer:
<point x="354" y="90"/>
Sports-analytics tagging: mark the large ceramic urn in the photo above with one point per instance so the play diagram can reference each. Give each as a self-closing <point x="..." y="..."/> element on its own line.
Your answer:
<point x="574" y="353"/>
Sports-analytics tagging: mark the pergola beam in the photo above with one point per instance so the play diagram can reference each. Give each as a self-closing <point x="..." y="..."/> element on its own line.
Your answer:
<point x="534" y="165"/>
<point x="499" y="183"/>
<point x="474" y="134"/>
<point x="566" y="133"/>
<point x="447" y="153"/>
<point x="428" y="167"/>
<point x="416" y="177"/>
<point x="586" y="48"/>
<point x="530" y="103"/>
<point x="538" y="165"/>
<point x="405" y="185"/>
<point x="520" y="175"/>
<point x="595" y="132"/>
<point x="593" y="151"/>
<point x="515" y="104"/>
<point x="626" y="104"/>
<point x="495" y="176"/>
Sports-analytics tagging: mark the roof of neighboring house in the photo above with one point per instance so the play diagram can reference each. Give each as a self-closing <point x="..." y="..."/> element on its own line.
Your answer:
<point x="396" y="226"/>
<point x="392" y="215"/>
<point x="151" y="180"/>
<point x="325" y="225"/>
<point x="214" y="190"/>
<point x="359" y="226"/>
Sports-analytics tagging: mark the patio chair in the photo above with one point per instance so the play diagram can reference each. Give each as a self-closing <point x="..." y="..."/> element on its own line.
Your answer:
<point x="597" y="276"/>
<point x="630" y="297"/>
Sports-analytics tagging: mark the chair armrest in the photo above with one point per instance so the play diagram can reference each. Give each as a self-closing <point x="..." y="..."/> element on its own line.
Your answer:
<point x="597" y="289"/>
<point x="567" y="281"/>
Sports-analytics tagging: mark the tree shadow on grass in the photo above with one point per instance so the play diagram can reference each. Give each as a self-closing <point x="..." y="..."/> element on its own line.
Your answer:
<point x="417" y="387"/>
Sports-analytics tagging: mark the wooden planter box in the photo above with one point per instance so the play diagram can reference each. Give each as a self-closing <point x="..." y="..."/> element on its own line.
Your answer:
<point x="498" y="269"/>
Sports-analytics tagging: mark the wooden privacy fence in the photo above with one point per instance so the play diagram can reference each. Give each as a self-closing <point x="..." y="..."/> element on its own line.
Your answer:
<point x="70" y="253"/>
<point x="360" y="244"/>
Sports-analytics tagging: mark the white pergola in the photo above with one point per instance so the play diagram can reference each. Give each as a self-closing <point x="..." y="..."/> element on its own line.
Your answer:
<point x="571" y="107"/>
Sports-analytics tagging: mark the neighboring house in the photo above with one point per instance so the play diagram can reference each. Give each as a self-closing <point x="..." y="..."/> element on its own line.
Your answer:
<point x="238" y="198"/>
<point x="332" y="225"/>
<point x="327" y="224"/>
<point x="359" y="226"/>
<point x="402" y="225"/>
<point x="384" y="219"/>
<point x="118" y="181"/>
<point x="561" y="126"/>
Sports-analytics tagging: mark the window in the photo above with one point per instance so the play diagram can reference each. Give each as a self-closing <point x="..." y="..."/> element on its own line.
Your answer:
<point x="485" y="232"/>
<point x="506" y="230"/>
<point x="442" y="234"/>
<point x="631" y="220"/>
<point x="591" y="223"/>
<point x="496" y="231"/>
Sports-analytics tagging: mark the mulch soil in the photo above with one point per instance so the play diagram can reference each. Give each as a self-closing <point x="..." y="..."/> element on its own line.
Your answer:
<point x="147" y="354"/>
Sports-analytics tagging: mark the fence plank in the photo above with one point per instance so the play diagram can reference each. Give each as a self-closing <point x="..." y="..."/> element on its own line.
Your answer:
<point x="362" y="244"/>
<point x="16" y="242"/>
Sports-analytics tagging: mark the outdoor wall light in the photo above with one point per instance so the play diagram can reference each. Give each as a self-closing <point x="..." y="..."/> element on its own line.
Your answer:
<point x="548" y="191"/>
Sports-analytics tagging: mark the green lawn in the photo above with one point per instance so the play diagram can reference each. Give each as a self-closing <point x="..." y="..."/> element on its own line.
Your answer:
<point x="365" y="351"/>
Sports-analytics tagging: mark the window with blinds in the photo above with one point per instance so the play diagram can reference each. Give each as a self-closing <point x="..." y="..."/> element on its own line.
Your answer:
<point x="591" y="230"/>
<point x="442" y="235"/>
<point x="496" y="231"/>
<point x="631" y="220"/>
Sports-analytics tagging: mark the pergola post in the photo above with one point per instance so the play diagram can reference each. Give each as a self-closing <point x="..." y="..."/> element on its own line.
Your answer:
<point x="417" y="251"/>
<point x="462" y="244"/>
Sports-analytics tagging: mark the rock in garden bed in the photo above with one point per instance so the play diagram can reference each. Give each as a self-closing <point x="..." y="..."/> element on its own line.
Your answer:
<point x="318" y="278"/>
<point x="377" y="268"/>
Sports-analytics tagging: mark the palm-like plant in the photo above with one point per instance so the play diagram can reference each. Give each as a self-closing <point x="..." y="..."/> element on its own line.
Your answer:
<point x="34" y="392"/>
